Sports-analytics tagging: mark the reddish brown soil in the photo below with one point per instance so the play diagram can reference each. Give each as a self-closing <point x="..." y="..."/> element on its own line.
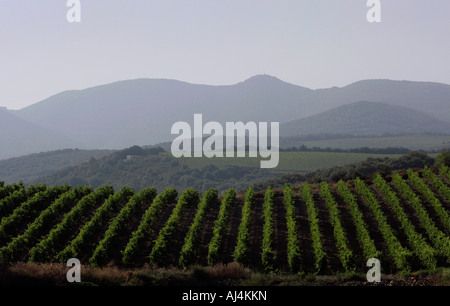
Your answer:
<point x="206" y="234"/>
<point x="375" y="234"/>
<point x="350" y="230"/>
<point x="231" y="232"/>
<point x="327" y="232"/>
<point x="304" y="236"/>
<point x="256" y="229"/>
<point x="280" y="234"/>
<point x="178" y="239"/>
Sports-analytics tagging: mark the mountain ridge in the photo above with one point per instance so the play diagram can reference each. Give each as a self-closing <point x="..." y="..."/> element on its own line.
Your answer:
<point x="141" y="111"/>
<point x="20" y="137"/>
<point x="366" y="118"/>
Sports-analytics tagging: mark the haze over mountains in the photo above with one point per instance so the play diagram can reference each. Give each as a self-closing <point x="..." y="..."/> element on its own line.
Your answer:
<point x="142" y="111"/>
<point x="366" y="118"/>
<point x="20" y="137"/>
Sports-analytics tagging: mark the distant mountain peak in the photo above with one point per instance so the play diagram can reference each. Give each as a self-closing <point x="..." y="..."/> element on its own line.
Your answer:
<point x="267" y="81"/>
<point x="262" y="77"/>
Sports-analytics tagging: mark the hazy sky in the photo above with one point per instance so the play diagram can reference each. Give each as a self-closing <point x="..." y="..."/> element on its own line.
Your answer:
<point x="312" y="43"/>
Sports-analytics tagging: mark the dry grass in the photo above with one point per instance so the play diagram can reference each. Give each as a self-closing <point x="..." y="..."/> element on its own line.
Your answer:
<point x="39" y="272"/>
<point x="232" y="271"/>
<point x="32" y="274"/>
<point x="55" y="274"/>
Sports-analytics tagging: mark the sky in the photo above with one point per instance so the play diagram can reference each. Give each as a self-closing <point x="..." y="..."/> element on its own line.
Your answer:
<point x="311" y="43"/>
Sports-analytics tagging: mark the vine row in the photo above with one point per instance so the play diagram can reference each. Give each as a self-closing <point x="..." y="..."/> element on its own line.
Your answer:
<point x="158" y="255"/>
<point x="144" y="230"/>
<point x="119" y="224"/>
<point x="85" y="238"/>
<point x="188" y="254"/>
<point x="319" y="253"/>
<point x="344" y="253"/>
<point x="293" y="248"/>
<point x="220" y="226"/>
<point x="400" y="255"/>
<point x="49" y="245"/>
<point x="367" y="243"/>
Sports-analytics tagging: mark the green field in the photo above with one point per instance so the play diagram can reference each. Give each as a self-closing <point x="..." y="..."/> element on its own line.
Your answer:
<point x="412" y="142"/>
<point x="289" y="161"/>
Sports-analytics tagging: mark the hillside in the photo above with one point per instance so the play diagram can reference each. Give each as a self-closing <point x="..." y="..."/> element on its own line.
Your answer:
<point x="299" y="162"/>
<point x="425" y="142"/>
<point x="363" y="169"/>
<point x="142" y="111"/>
<point x="138" y="168"/>
<point x="366" y="118"/>
<point x="19" y="137"/>
<point x="68" y="165"/>
<point x="428" y="97"/>
<point x="30" y="167"/>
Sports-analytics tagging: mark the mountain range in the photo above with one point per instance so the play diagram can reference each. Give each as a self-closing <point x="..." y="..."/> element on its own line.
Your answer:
<point x="142" y="111"/>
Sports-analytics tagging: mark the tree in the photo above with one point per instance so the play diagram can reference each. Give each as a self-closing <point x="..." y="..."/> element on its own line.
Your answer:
<point x="442" y="159"/>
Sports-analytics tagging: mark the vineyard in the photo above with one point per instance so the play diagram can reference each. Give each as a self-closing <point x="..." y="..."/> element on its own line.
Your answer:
<point x="402" y="219"/>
